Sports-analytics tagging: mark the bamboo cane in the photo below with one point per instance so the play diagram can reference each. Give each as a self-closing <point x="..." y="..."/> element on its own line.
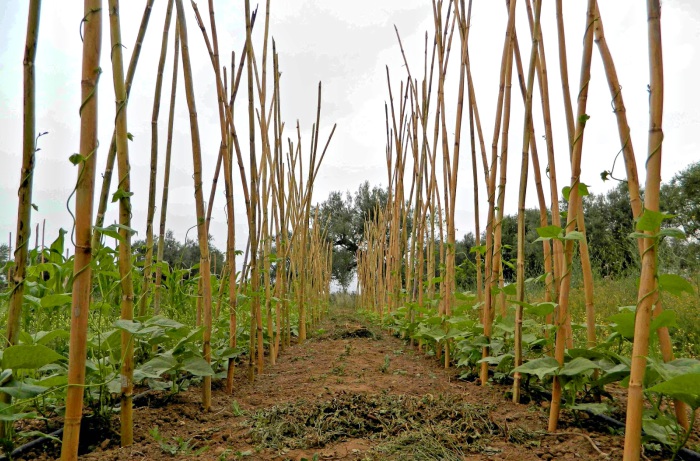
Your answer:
<point x="80" y="307"/>
<point x="490" y="280"/>
<point x="627" y="150"/>
<point x="527" y="131"/>
<point x="648" y="284"/>
<point x="205" y="269"/>
<point x="124" y="185"/>
<point x="148" y="265"/>
<point x="166" y="175"/>
<point x="17" y="274"/>
<point x="574" y="209"/>
<point x="112" y="152"/>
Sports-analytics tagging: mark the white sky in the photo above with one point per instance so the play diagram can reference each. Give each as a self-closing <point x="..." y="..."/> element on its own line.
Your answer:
<point x="346" y="45"/>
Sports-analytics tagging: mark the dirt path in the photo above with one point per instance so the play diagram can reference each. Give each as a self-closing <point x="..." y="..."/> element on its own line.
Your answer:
<point x="352" y="392"/>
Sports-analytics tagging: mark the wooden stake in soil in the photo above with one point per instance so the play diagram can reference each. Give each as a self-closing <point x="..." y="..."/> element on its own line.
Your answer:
<point x="527" y="131"/>
<point x="574" y="209"/>
<point x="204" y="263"/>
<point x="148" y="265"/>
<point x="648" y="284"/>
<point x="124" y="196"/>
<point x="80" y="306"/>
<point x="17" y="274"/>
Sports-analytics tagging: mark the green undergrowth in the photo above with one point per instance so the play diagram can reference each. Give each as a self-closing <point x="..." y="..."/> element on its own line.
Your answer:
<point x="403" y="427"/>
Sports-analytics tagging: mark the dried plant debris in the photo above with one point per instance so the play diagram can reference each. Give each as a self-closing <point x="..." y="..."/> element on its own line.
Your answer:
<point x="417" y="427"/>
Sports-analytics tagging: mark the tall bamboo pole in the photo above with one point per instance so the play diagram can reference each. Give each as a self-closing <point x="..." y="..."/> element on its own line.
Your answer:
<point x="490" y="280"/>
<point x="24" y="192"/>
<point x="112" y="152"/>
<point x="527" y="132"/>
<point x="85" y="185"/>
<point x="228" y="180"/>
<point x="166" y="174"/>
<point x="148" y="265"/>
<point x="648" y="284"/>
<point x="124" y="191"/>
<point x="627" y="150"/>
<point x="254" y="190"/>
<point x="574" y="209"/>
<point x="204" y="265"/>
<point x="18" y="273"/>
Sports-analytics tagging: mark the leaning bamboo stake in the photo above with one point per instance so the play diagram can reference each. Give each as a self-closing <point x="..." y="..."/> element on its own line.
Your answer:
<point x="204" y="266"/>
<point x="148" y="265"/>
<point x="225" y="154"/>
<point x="475" y="180"/>
<point x="648" y="285"/>
<point x="255" y="318"/>
<point x="18" y="273"/>
<point x="112" y="152"/>
<point x="552" y="259"/>
<point x="497" y="266"/>
<point x="82" y="284"/>
<point x="24" y="207"/>
<point x="527" y="132"/>
<point x="627" y="150"/>
<point x="553" y="263"/>
<point x="490" y="281"/>
<point x="464" y="18"/>
<point x="124" y="192"/>
<point x="166" y="175"/>
<point x="574" y="210"/>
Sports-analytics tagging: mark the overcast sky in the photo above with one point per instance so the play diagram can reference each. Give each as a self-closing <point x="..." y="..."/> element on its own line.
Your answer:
<point x="346" y="45"/>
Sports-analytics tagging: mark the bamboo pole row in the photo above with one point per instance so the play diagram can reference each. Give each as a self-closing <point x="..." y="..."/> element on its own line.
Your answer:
<point x="283" y="181"/>
<point x="413" y="266"/>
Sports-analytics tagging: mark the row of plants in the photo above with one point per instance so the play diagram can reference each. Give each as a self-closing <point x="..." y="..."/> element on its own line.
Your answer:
<point x="407" y="269"/>
<point x="167" y="347"/>
<point x="586" y="371"/>
<point x="97" y="326"/>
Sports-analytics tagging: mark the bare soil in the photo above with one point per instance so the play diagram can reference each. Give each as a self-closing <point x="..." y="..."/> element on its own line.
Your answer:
<point x="351" y="392"/>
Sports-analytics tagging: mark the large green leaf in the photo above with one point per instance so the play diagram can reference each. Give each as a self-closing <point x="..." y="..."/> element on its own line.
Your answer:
<point x="651" y="220"/>
<point x="6" y="413"/>
<point x="664" y="319"/>
<point x="574" y="235"/>
<point x="578" y="366"/>
<point x="540" y="367"/>
<point x="542" y="309"/>
<point x="614" y="374"/>
<point x="685" y="388"/>
<point x="549" y="232"/>
<point x="163" y="322"/>
<point x="675" y="284"/>
<point x="24" y="356"/>
<point x="197" y="366"/>
<point x="128" y="325"/>
<point x="624" y="323"/>
<point x="21" y="390"/>
<point x="157" y="366"/>
<point x="45" y="337"/>
<point x="56" y="300"/>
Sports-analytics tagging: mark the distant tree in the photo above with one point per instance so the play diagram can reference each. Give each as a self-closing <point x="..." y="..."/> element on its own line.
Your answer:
<point x="681" y="197"/>
<point x="609" y="223"/>
<point x="181" y="255"/>
<point x="345" y="216"/>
